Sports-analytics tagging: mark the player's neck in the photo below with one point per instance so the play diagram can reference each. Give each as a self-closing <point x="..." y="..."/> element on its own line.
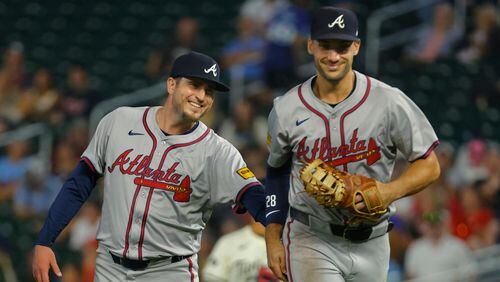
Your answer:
<point x="171" y="123"/>
<point x="334" y="92"/>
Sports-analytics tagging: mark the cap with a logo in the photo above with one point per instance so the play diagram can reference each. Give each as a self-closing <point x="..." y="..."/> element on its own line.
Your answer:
<point x="194" y="64"/>
<point x="334" y="23"/>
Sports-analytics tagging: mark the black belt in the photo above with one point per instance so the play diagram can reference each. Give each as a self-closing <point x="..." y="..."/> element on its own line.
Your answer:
<point x="142" y="264"/>
<point x="355" y="235"/>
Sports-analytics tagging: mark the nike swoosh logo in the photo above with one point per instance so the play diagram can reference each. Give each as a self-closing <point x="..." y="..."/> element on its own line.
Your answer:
<point x="271" y="212"/>
<point x="299" y="122"/>
<point x="131" y="133"/>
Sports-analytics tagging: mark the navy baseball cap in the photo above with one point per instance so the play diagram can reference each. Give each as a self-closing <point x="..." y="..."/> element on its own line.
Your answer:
<point x="334" y="23"/>
<point x="194" y="64"/>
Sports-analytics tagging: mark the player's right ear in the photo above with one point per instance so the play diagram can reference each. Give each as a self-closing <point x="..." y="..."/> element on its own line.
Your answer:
<point x="171" y="83"/>
<point x="309" y="46"/>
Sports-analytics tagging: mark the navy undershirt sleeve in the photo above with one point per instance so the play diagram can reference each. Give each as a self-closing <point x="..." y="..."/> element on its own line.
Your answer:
<point x="74" y="192"/>
<point x="253" y="200"/>
<point x="277" y="186"/>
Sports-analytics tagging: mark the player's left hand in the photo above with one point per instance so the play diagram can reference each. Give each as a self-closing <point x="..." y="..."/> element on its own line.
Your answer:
<point x="384" y="190"/>
<point x="275" y="250"/>
<point x="360" y="203"/>
<point x="44" y="259"/>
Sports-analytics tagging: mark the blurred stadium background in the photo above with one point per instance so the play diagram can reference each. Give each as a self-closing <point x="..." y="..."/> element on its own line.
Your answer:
<point x="67" y="63"/>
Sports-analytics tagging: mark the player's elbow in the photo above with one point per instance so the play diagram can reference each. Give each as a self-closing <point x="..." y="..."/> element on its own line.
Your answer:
<point x="437" y="172"/>
<point x="434" y="168"/>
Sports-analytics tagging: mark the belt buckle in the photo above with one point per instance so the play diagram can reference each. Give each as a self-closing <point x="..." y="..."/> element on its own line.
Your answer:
<point x="347" y="235"/>
<point x="344" y="233"/>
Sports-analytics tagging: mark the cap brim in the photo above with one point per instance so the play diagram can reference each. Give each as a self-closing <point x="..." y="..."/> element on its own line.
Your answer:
<point x="335" y="36"/>
<point x="219" y="86"/>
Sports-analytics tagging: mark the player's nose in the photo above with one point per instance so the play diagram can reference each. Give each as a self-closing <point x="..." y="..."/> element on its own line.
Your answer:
<point x="333" y="55"/>
<point x="201" y="94"/>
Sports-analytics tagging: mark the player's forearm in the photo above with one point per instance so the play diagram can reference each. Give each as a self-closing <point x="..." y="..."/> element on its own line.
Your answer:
<point x="73" y="194"/>
<point x="274" y="232"/>
<point x="416" y="177"/>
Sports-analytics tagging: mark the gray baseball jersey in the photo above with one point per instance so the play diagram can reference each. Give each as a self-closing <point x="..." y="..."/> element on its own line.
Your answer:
<point x="159" y="190"/>
<point x="361" y="135"/>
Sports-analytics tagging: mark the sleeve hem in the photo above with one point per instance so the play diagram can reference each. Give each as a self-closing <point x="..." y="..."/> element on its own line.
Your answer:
<point x="238" y="207"/>
<point x="429" y="151"/>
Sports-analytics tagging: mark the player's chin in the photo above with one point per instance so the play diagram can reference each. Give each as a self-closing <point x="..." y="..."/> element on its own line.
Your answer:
<point x="194" y="115"/>
<point x="335" y="75"/>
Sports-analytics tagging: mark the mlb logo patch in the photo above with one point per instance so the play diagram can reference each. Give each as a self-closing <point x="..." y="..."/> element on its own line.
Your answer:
<point x="245" y="173"/>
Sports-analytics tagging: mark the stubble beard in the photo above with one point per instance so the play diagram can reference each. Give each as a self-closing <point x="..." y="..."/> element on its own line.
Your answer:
<point x="329" y="77"/>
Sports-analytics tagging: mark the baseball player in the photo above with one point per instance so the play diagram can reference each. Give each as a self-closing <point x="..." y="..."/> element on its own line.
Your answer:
<point x="164" y="170"/>
<point x="239" y="256"/>
<point x="356" y="124"/>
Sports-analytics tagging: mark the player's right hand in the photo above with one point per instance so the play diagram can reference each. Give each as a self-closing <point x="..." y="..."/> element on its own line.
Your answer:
<point x="276" y="251"/>
<point x="44" y="259"/>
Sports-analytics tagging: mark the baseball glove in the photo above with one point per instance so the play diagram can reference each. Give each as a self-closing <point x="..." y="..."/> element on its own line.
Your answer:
<point x="333" y="188"/>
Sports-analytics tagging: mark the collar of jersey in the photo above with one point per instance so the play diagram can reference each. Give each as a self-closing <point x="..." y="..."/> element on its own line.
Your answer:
<point x="196" y="131"/>
<point x="314" y="101"/>
<point x="185" y="132"/>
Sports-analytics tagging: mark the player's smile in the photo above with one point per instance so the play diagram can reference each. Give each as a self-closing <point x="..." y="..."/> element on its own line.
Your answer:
<point x="196" y="105"/>
<point x="332" y="66"/>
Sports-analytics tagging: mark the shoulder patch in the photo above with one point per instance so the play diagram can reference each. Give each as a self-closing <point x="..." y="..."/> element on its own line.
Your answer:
<point x="245" y="173"/>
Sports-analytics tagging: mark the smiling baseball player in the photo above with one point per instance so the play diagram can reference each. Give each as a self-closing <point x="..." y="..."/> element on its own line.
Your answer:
<point x="164" y="171"/>
<point x="333" y="142"/>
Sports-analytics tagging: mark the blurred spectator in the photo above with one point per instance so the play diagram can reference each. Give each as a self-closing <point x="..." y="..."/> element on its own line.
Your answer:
<point x="13" y="166"/>
<point x="4" y="125"/>
<point x="399" y="239"/>
<point x="484" y="40"/>
<point x="36" y="192"/>
<point x="186" y="39"/>
<point x="71" y="273"/>
<point x="491" y="186"/>
<point x="255" y="156"/>
<point x="65" y="160"/>
<point x="84" y="227"/>
<point x="78" y="98"/>
<point x="88" y="260"/>
<point x="261" y="11"/>
<point x="76" y="134"/>
<point x="38" y="102"/>
<point x="6" y="269"/>
<point x="438" y="39"/>
<point x="445" y="153"/>
<point x="285" y="50"/>
<point x="472" y="220"/>
<point x="243" y="55"/>
<point x="239" y="256"/>
<point x="13" y="80"/>
<point x="244" y="128"/>
<point x="40" y="186"/>
<point x="469" y="164"/>
<point x="440" y="192"/>
<point x="436" y="251"/>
